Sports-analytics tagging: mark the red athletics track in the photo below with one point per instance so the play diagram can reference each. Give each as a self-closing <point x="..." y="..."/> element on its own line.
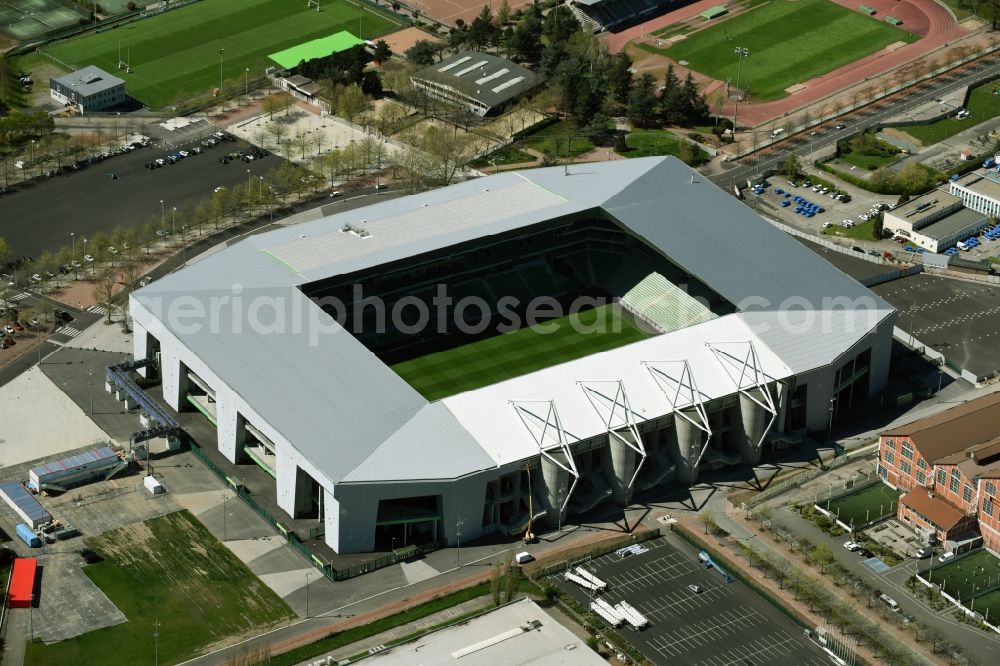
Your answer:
<point x="447" y="11"/>
<point x="927" y="18"/>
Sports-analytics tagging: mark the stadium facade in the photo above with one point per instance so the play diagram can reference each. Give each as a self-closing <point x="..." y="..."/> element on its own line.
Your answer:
<point x="753" y="340"/>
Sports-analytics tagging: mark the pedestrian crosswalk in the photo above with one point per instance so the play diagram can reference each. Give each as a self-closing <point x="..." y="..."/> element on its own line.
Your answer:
<point x="18" y="297"/>
<point x="69" y="331"/>
<point x="97" y="309"/>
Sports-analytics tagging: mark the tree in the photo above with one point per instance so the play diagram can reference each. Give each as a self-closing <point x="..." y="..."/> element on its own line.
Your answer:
<point x="278" y="130"/>
<point x="878" y="226"/>
<point x="104" y="290"/>
<point x="559" y="24"/>
<point x="482" y="32"/>
<point x="672" y="99"/>
<point x="448" y="151"/>
<point x="270" y="105"/>
<point x="421" y="53"/>
<point x="526" y="40"/>
<point x="822" y="555"/>
<point x="5" y="251"/>
<point x="642" y="102"/>
<point x="503" y="13"/>
<point x="792" y="166"/>
<point x="352" y="103"/>
<point x="382" y="52"/>
<point x="620" y="77"/>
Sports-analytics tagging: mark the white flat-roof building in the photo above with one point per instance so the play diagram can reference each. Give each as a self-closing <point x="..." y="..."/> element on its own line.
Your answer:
<point x="934" y="221"/>
<point x="752" y="338"/>
<point x="89" y="89"/>
<point x="980" y="191"/>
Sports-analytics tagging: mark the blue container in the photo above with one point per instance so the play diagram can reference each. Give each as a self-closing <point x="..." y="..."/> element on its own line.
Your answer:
<point x="28" y="536"/>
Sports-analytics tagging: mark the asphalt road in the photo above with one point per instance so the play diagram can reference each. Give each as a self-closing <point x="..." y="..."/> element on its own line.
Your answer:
<point x="983" y="645"/>
<point x="40" y="216"/>
<point x="867" y="117"/>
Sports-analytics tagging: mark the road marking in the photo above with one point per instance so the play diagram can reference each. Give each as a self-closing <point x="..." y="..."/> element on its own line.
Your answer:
<point x="97" y="309"/>
<point x="69" y="331"/>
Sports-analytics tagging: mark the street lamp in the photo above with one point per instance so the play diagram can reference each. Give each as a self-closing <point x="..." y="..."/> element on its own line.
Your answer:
<point x="161" y="213"/>
<point x="246" y="82"/>
<point x="220" y="71"/>
<point x="829" y="431"/>
<point x="741" y="52"/>
<point x="224" y="532"/>
<point x="307" y="593"/>
<point x="72" y="238"/>
<point x="458" y="541"/>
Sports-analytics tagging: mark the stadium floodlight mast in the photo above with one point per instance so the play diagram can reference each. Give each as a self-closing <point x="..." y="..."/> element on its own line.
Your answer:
<point x="741" y="52"/>
<point x="221" y="51"/>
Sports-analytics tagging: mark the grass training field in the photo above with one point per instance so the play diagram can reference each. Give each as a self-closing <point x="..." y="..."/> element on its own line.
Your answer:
<point x="173" y="570"/>
<point x="867" y="504"/>
<point x="176" y="55"/>
<point x="789" y="42"/>
<point x="552" y="139"/>
<point x="501" y="357"/>
<point x="963" y="577"/>
<point x="983" y="103"/>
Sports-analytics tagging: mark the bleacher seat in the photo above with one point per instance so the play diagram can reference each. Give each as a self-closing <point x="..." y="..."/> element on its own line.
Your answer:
<point x="660" y="302"/>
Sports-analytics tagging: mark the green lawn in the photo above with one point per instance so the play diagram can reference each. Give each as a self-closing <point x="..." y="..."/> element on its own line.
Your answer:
<point x="982" y="104"/>
<point x="644" y="143"/>
<point x="173" y="570"/>
<point x="964" y="576"/>
<point x="860" y="231"/>
<point x="501" y="357"/>
<point x="552" y="139"/>
<point x="176" y="55"/>
<point x="869" y="162"/>
<point x="864" y="505"/>
<point x="789" y="42"/>
<point x="509" y="155"/>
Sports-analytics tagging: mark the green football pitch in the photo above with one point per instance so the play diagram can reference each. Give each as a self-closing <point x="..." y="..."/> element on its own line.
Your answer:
<point x="519" y="352"/>
<point x="865" y="505"/>
<point x="176" y="55"/>
<point x="789" y="42"/>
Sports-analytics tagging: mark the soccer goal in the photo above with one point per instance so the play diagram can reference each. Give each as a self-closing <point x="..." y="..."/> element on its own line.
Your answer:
<point x="311" y="3"/>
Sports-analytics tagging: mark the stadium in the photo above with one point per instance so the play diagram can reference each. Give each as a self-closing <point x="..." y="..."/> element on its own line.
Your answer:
<point x="531" y="344"/>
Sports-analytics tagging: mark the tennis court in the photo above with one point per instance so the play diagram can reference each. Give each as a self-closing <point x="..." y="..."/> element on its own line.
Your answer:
<point x="865" y="505"/>
<point x="27" y="19"/>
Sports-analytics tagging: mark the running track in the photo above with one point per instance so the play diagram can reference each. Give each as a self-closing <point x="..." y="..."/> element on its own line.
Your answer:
<point x="921" y="16"/>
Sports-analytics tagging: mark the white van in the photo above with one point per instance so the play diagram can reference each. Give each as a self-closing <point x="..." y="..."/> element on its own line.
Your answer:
<point x="523" y="557"/>
<point x="962" y="114"/>
<point x="890" y="602"/>
<point x="778" y="132"/>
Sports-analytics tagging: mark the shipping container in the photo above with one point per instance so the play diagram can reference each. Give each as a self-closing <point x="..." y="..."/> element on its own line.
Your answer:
<point x="28" y="536"/>
<point x="22" y="582"/>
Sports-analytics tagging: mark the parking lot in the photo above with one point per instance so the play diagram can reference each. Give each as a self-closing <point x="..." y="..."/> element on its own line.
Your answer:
<point x="41" y="215"/>
<point x="955" y="318"/>
<point x="723" y="624"/>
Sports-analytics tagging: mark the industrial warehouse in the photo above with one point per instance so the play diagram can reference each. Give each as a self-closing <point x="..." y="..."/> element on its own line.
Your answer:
<point x="390" y="427"/>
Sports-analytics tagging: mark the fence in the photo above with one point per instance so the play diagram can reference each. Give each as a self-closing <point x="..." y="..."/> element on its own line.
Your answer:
<point x="886" y="91"/>
<point x="295" y="542"/>
<point x="933" y="354"/>
<point x="797" y="480"/>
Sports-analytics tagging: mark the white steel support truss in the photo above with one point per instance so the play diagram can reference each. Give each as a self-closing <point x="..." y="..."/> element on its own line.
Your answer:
<point x="677" y="382"/>
<point x="609" y="400"/>
<point x="751" y="376"/>
<point x="542" y="420"/>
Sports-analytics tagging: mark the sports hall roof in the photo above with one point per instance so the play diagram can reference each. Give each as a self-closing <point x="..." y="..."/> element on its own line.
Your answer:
<point x="353" y="418"/>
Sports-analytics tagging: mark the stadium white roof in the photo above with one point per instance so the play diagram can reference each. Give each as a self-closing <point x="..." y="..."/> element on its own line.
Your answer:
<point x="356" y="420"/>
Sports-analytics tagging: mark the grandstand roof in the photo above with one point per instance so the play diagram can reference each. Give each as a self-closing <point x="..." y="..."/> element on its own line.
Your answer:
<point x="355" y="419"/>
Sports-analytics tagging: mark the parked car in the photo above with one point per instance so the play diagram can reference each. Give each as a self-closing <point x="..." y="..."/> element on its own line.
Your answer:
<point x="840" y="126"/>
<point x="851" y="546"/>
<point x="697" y="589"/>
<point x="944" y="557"/>
<point x="88" y="258"/>
<point x="112" y="251"/>
<point x="76" y="264"/>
